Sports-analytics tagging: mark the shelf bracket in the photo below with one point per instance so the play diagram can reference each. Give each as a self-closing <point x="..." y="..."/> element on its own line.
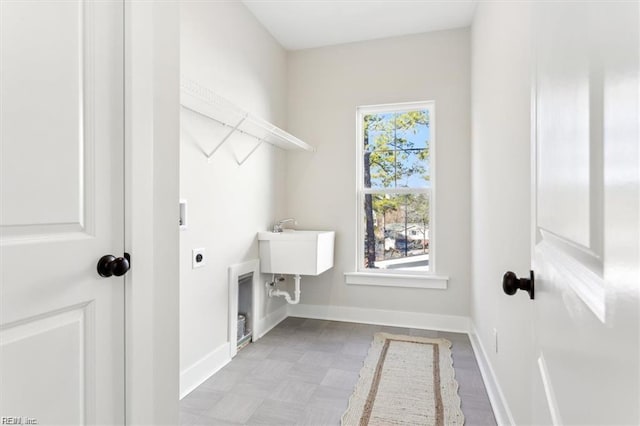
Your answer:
<point x="227" y="136"/>
<point x="206" y="103"/>
<point x="250" y="152"/>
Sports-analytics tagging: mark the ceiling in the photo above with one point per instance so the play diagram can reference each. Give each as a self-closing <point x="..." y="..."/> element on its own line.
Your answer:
<point x="302" y="24"/>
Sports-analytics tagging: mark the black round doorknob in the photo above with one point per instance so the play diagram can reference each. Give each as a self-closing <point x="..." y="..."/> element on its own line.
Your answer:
<point x="511" y="284"/>
<point x="109" y="265"/>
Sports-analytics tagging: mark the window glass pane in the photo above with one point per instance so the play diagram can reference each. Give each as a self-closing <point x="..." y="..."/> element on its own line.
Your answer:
<point x="396" y="150"/>
<point x="396" y="232"/>
<point x="415" y="169"/>
<point x="382" y="168"/>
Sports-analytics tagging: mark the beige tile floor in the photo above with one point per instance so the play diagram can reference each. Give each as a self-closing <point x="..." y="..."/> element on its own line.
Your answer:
<point x="303" y="372"/>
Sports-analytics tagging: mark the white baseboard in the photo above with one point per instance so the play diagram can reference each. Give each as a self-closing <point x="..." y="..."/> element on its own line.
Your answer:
<point x="264" y="325"/>
<point x="498" y="402"/>
<point x="194" y="376"/>
<point x="420" y="320"/>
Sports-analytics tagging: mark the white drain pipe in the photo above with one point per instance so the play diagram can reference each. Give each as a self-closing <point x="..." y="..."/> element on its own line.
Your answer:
<point x="275" y="292"/>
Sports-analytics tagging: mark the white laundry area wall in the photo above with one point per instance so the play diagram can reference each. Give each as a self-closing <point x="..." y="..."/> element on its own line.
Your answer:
<point x="225" y="49"/>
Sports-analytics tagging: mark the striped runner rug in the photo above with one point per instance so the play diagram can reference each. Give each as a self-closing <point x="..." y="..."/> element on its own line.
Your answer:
<point x="406" y="380"/>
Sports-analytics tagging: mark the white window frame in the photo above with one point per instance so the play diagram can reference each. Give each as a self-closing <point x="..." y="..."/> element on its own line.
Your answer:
<point x="386" y="277"/>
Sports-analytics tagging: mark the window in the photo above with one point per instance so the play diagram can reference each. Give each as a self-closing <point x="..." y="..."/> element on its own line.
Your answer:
<point x="395" y="188"/>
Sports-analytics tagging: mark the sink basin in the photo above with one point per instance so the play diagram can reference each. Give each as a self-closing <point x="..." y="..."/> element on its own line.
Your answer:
<point x="296" y="252"/>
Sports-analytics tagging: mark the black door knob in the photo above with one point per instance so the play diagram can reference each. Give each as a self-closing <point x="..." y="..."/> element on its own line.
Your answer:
<point x="109" y="265"/>
<point x="511" y="284"/>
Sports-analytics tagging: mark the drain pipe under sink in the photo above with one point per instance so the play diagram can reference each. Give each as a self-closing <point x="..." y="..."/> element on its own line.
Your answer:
<point x="275" y="292"/>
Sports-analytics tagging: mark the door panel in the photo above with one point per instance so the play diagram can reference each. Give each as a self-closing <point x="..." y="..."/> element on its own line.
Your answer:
<point x="46" y="74"/>
<point x="569" y="148"/>
<point x="563" y="145"/>
<point x="63" y="334"/>
<point x="586" y="222"/>
<point x="62" y="145"/>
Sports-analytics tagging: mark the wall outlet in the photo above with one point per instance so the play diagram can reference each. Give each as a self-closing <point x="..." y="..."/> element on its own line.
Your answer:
<point x="495" y="340"/>
<point x="198" y="258"/>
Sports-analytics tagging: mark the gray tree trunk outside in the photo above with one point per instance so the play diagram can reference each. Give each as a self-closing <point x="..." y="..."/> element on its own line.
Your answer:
<point x="370" y="241"/>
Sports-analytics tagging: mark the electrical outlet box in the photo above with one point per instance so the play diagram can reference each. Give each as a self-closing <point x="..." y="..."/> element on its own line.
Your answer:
<point x="495" y="340"/>
<point x="183" y="215"/>
<point x="198" y="258"/>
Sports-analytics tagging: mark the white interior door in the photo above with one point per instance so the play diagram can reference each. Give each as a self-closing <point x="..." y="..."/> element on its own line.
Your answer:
<point x="61" y="111"/>
<point x="586" y="215"/>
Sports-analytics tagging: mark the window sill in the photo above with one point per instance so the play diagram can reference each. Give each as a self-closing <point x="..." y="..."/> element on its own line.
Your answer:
<point x="439" y="282"/>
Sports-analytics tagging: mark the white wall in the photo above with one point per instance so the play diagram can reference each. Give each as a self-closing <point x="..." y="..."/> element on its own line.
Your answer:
<point x="500" y="152"/>
<point x="325" y="86"/>
<point x="152" y="75"/>
<point x="225" y="49"/>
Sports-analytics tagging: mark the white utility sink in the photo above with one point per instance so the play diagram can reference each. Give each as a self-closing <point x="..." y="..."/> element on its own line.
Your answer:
<point x="296" y="252"/>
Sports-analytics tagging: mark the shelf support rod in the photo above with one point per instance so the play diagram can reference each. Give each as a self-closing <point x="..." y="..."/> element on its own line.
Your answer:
<point x="228" y="135"/>
<point x="251" y="152"/>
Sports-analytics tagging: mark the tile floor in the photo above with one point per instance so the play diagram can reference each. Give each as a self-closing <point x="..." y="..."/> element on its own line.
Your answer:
<point x="303" y="372"/>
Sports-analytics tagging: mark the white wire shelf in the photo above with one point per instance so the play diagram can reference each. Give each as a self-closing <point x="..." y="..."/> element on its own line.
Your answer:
<point x="203" y="102"/>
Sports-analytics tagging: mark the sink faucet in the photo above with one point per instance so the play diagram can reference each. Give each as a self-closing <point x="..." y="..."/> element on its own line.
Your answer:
<point x="278" y="226"/>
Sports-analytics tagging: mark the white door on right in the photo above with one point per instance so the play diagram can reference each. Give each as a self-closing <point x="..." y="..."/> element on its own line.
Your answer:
<point x="586" y="213"/>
